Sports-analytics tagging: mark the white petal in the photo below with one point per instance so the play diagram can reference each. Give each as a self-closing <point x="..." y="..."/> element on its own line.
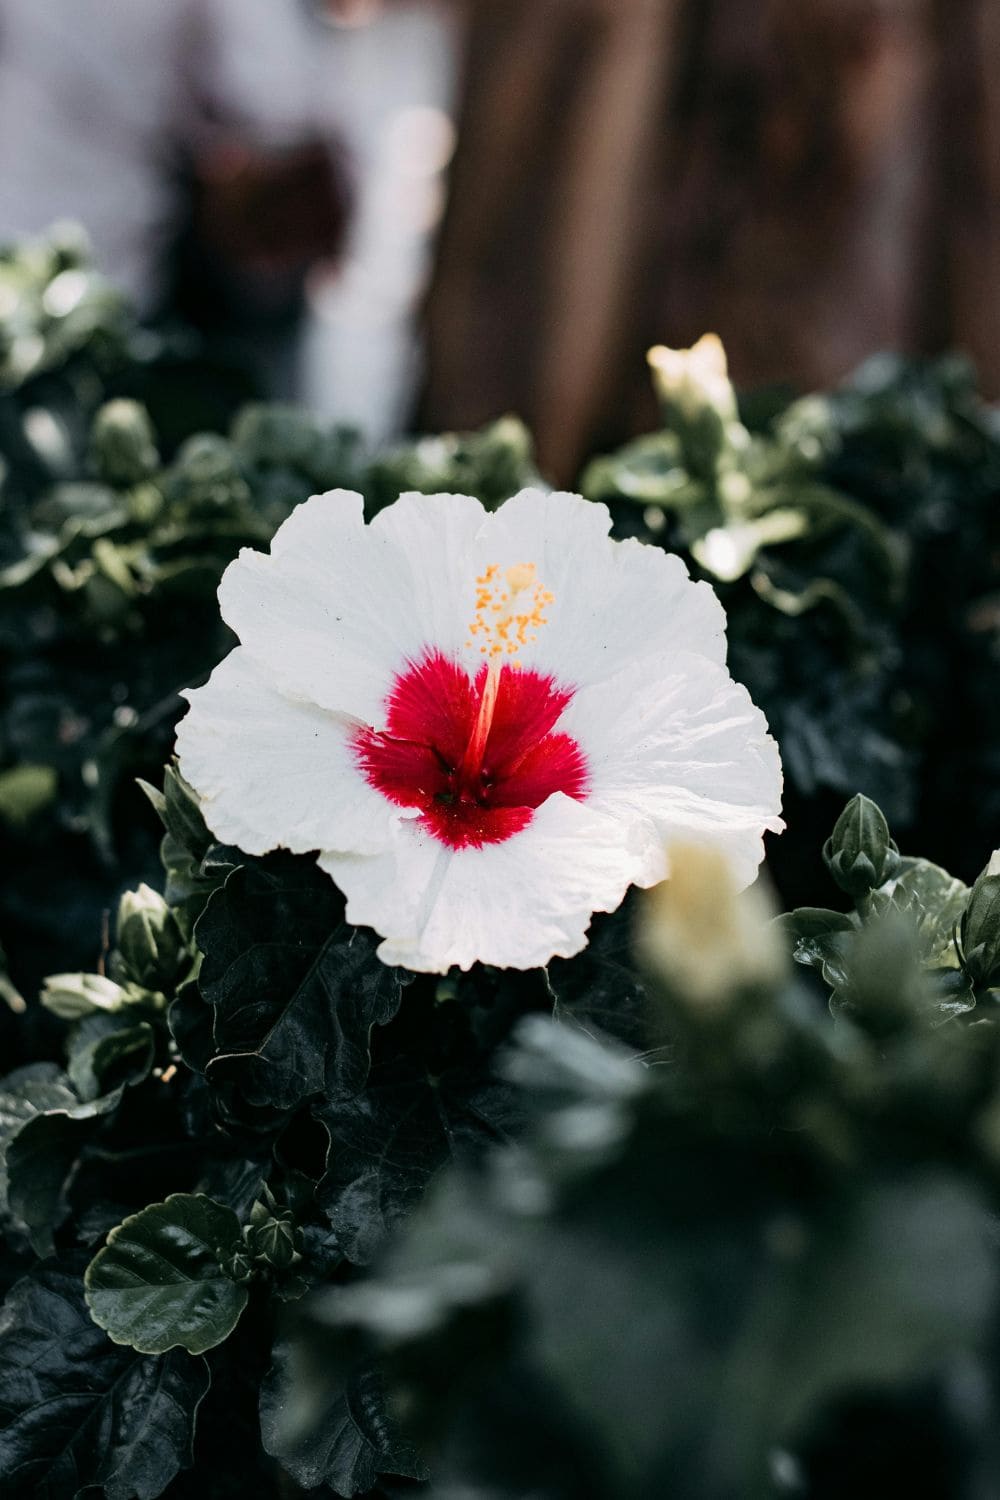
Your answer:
<point x="615" y="602"/>
<point x="436" y="534"/>
<point x="681" y="752"/>
<point x="315" y="531"/>
<point x="338" y="608"/>
<point x="273" y="773"/>
<point x="515" y="904"/>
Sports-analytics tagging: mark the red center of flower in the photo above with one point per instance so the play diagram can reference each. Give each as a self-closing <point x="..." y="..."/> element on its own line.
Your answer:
<point x="475" y="756"/>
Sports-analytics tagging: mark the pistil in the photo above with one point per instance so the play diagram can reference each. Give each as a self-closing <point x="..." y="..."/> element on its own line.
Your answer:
<point x="473" y="757"/>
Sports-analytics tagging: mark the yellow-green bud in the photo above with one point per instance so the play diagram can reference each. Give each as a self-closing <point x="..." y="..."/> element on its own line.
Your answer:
<point x="149" y="940"/>
<point x="860" y="853"/>
<point x="123" y="445"/>
<point x="272" y="1237"/>
<point x="71" y="996"/>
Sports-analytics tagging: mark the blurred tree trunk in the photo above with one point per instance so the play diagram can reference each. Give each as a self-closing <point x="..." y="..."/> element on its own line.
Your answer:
<point x="814" y="181"/>
<point x="799" y="191"/>
<point x="537" y="275"/>
<point x="970" y="197"/>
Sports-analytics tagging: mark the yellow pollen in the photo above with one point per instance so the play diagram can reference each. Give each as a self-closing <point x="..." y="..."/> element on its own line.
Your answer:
<point x="509" y="610"/>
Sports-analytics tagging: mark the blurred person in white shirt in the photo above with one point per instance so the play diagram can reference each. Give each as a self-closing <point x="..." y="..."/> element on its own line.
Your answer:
<point x="212" y="149"/>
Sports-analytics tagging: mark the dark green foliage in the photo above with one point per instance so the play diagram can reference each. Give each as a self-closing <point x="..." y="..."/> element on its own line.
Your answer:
<point x="852" y="538"/>
<point x="295" y="990"/>
<point x="48" y="1119"/>
<point x="345" y="1438"/>
<point x="494" y="464"/>
<point x="980" y="929"/>
<point x="704" y="1277"/>
<point x="40" y="1159"/>
<point x="79" y="1412"/>
<point x="108" y="613"/>
<point x="601" y="988"/>
<point x="104" y="1051"/>
<point x="389" y="1140"/>
<point x="261" y="1121"/>
<point x="285" y="1095"/>
<point x="776" y="1213"/>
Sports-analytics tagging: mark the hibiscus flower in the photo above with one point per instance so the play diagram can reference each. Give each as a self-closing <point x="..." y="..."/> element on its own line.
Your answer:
<point x="488" y="726"/>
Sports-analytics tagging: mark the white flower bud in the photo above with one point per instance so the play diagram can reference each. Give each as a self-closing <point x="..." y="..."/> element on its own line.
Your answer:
<point x="702" y="938"/>
<point x="71" y="996"/>
<point x="692" y="379"/>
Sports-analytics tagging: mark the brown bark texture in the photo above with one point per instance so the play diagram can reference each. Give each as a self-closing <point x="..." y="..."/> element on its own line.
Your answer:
<point x="812" y="179"/>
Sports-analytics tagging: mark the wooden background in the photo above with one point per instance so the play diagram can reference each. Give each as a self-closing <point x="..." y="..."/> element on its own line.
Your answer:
<point x="813" y="179"/>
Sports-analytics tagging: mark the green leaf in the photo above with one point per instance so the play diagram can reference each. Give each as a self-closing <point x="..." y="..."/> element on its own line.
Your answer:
<point x="40" y="1159"/>
<point x="25" y="1093"/>
<point x="601" y="987"/>
<point x="981" y="928"/>
<point x="159" y="1282"/>
<point x="104" y="1054"/>
<point x="649" y="470"/>
<point x="233" y="1180"/>
<point x="729" y="552"/>
<point x="391" y="1138"/>
<point x="829" y="952"/>
<point x="28" y="1090"/>
<point x="155" y="797"/>
<point x="189" y="882"/>
<point x="937" y="900"/>
<point x="179" y="810"/>
<point x="820" y="939"/>
<point x="556" y="1065"/>
<point x="827" y="508"/>
<point x="328" y="1430"/>
<point x="78" y="1412"/>
<point x="813" y="921"/>
<point x="296" y="990"/>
